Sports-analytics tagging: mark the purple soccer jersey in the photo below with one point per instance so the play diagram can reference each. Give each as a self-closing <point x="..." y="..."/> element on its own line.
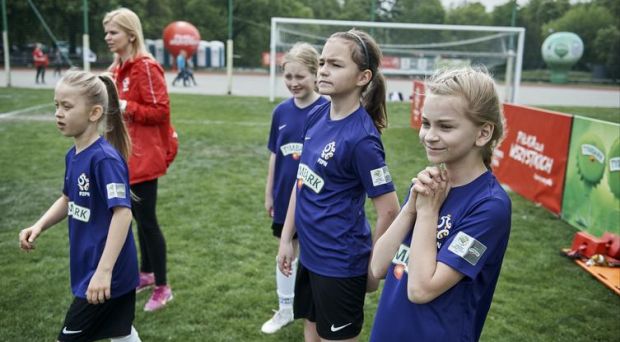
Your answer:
<point x="343" y="161"/>
<point x="96" y="181"/>
<point x="286" y="141"/>
<point x="472" y="236"/>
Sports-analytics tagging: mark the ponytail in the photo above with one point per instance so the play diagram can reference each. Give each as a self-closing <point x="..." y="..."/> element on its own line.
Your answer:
<point x="115" y="131"/>
<point x="373" y="100"/>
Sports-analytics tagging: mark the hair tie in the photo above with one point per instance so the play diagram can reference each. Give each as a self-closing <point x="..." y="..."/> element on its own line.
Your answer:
<point x="363" y="47"/>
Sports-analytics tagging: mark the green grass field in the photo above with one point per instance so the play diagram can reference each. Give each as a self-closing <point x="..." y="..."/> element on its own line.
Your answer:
<point x="221" y="252"/>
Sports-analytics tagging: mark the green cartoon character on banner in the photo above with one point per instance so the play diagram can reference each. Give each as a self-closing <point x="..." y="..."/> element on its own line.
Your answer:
<point x="590" y="165"/>
<point x="613" y="169"/>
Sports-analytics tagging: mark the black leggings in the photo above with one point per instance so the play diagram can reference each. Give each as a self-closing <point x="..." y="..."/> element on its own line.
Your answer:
<point x="41" y="73"/>
<point x="152" y="242"/>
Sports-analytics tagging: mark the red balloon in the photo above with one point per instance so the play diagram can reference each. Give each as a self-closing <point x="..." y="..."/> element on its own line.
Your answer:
<point x="181" y="35"/>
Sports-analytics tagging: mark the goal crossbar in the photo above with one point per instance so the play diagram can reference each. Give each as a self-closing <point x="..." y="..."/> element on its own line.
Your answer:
<point x="514" y="58"/>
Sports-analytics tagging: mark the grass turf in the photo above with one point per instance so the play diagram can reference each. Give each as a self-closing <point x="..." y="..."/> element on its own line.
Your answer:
<point x="220" y="248"/>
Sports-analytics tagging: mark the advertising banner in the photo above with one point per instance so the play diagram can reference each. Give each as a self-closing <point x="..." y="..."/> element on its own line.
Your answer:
<point x="417" y="102"/>
<point x="532" y="158"/>
<point x="592" y="191"/>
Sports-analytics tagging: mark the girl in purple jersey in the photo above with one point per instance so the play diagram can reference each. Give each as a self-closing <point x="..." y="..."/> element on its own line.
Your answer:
<point x="342" y="162"/>
<point x="442" y="255"/>
<point x="285" y="144"/>
<point x="96" y="200"/>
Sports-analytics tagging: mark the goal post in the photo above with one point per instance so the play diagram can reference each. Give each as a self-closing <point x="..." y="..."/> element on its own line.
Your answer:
<point x="414" y="50"/>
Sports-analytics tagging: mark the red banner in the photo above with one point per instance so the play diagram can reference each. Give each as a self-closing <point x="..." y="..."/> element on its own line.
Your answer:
<point x="265" y="58"/>
<point x="417" y="102"/>
<point x="532" y="158"/>
<point x="390" y="62"/>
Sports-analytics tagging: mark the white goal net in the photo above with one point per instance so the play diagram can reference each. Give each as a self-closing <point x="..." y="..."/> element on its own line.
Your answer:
<point x="413" y="50"/>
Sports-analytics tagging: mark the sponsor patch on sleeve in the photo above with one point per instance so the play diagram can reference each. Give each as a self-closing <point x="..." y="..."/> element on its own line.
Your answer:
<point x="467" y="248"/>
<point x="116" y="190"/>
<point x="380" y="176"/>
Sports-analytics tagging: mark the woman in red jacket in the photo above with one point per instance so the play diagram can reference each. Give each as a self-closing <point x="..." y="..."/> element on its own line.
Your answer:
<point x="146" y="108"/>
<point x="40" y="62"/>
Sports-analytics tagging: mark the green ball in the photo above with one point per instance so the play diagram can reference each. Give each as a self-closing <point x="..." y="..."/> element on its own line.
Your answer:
<point x="591" y="159"/>
<point x="613" y="168"/>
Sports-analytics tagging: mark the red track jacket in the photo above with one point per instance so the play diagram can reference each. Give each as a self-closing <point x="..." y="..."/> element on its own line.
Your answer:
<point x="141" y="83"/>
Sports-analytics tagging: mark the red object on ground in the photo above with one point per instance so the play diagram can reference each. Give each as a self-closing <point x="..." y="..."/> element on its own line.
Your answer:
<point x="181" y="35"/>
<point x="612" y="242"/>
<point x="586" y="245"/>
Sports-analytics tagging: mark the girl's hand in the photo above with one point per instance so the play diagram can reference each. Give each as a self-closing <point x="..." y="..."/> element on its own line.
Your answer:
<point x="428" y="179"/>
<point x="27" y="237"/>
<point x="436" y="191"/>
<point x="99" y="287"/>
<point x="286" y="255"/>
<point x="269" y="205"/>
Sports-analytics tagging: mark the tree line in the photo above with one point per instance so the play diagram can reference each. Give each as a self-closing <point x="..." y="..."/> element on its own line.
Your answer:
<point x="594" y="21"/>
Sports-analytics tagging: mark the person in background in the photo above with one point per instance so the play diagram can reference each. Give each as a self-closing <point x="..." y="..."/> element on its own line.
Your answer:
<point x="285" y="144"/>
<point x="146" y="108"/>
<point x="181" y="68"/>
<point x="57" y="62"/>
<point x="41" y="61"/>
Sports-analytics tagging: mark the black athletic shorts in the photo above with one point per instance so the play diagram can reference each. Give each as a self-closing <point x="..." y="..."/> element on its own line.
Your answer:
<point x="92" y="322"/>
<point x="277" y="230"/>
<point x="336" y="305"/>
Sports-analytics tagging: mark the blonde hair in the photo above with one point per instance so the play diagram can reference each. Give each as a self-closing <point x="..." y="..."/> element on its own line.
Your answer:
<point x="477" y="88"/>
<point x="100" y="90"/>
<point x="304" y="54"/>
<point x="129" y="22"/>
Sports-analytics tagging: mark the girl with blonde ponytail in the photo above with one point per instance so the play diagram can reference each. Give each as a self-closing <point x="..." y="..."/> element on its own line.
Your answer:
<point x="441" y="257"/>
<point x="96" y="198"/>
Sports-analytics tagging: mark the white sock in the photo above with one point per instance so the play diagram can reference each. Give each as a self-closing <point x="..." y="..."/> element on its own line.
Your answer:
<point x="286" y="287"/>
<point x="132" y="337"/>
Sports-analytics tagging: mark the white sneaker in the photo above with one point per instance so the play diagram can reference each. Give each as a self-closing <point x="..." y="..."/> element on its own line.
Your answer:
<point x="278" y="321"/>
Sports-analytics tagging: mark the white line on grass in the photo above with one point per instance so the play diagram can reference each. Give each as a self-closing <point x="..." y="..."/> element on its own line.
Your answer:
<point x="23" y="110"/>
<point x="220" y="122"/>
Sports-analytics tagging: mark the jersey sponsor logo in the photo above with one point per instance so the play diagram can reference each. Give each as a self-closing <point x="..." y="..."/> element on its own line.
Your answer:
<point x="400" y="261"/>
<point x="70" y="332"/>
<point x="336" y="329"/>
<point x="116" y="190"/>
<point x="309" y="178"/>
<point x="281" y="127"/>
<point x="467" y="248"/>
<point x="125" y="84"/>
<point x="78" y="212"/>
<point x="83" y="185"/>
<point x="292" y="148"/>
<point x="380" y="176"/>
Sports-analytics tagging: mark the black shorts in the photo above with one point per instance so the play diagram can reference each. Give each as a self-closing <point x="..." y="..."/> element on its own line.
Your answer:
<point x="92" y="322"/>
<point x="276" y="228"/>
<point x="335" y="304"/>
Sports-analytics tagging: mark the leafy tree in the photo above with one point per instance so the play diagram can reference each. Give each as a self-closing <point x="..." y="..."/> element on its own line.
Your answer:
<point x="607" y="45"/>
<point x="469" y="14"/>
<point x="419" y="11"/>
<point x="502" y="14"/>
<point x="533" y="16"/>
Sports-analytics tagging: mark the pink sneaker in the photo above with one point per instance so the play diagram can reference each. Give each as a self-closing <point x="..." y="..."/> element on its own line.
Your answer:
<point x="160" y="297"/>
<point x="146" y="281"/>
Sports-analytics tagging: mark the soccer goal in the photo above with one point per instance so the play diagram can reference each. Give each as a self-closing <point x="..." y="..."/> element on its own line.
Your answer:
<point x="414" y="50"/>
